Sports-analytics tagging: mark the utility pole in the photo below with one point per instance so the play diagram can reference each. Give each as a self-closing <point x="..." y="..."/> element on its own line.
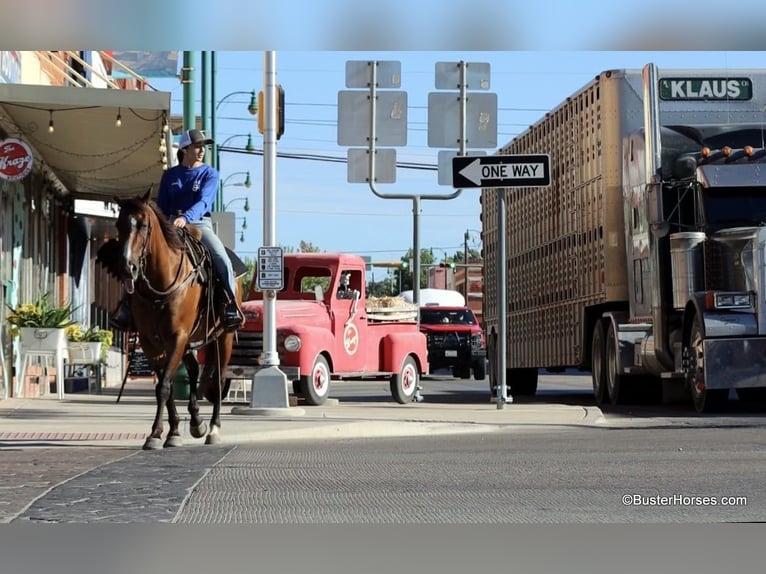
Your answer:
<point x="187" y="79"/>
<point x="465" y="269"/>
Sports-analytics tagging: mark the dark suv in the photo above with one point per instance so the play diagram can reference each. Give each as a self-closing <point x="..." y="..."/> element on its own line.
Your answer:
<point x="455" y="340"/>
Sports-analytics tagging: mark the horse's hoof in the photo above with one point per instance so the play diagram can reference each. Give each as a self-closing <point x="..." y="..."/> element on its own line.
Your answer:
<point x="198" y="432"/>
<point x="152" y="443"/>
<point x="174" y="440"/>
<point x="213" y="439"/>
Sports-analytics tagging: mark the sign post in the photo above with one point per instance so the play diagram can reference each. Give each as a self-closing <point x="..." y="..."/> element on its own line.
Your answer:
<point x="501" y="172"/>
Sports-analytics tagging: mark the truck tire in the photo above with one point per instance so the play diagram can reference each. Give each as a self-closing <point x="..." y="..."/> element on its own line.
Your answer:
<point x="522" y="382"/>
<point x="598" y="364"/>
<point x="461" y="372"/>
<point x="405" y="384"/>
<point x="705" y="400"/>
<point x="480" y="370"/>
<point x="316" y="385"/>
<point x="614" y="387"/>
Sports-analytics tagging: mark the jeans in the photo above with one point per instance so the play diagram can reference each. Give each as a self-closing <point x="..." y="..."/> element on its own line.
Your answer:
<point x="221" y="262"/>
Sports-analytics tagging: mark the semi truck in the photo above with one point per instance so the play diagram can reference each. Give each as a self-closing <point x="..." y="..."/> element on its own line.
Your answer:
<point x="644" y="262"/>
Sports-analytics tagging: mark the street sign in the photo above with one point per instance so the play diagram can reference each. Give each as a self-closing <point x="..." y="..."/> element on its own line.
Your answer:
<point x="502" y="171"/>
<point x="354" y="118"/>
<point x="444" y="118"/>
<point x="270" y="269"/>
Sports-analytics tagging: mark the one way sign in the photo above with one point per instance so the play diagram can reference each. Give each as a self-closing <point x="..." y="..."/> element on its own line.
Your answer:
<point x="501" y="171"/>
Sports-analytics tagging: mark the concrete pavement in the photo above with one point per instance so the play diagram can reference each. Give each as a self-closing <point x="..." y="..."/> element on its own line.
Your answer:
<point x="97" y="419"/>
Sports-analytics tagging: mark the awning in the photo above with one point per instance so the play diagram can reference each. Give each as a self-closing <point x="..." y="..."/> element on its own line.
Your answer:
<point x="90" y="156"/>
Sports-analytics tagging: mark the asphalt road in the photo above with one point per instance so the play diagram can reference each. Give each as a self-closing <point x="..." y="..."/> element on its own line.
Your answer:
<point x="543" y="476"/>
<point x="570" y="475"/>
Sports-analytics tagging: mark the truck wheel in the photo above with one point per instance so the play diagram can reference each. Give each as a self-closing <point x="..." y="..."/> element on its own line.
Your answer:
<point x="461" y="372"/>
<point x="521" y="382"/>
<point x="404" y="385"/>
<point x="614" y="387"/>
<point x="598" y="364"/>
<point x="316" y="386"/>
<point x="480" y="370"/>
<point x="705" y="400"/>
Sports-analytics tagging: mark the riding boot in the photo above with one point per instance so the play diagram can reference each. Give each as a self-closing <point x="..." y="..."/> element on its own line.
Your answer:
<point x="122" y="318"/>
<point x="232" y="317"/>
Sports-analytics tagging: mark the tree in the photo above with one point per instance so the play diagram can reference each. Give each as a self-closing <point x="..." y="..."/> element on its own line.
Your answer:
<point x="403" y="276"/>
<point x="247" y="279"/>
<point x="308" y="247"/>
<point x="474" y="256"/>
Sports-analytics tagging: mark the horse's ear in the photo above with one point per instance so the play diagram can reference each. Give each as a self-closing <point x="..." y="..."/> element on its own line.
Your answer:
<point x="148" y="193"/>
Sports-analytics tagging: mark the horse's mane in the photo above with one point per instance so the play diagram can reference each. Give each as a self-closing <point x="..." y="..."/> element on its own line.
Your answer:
<point x="169" y="231"/>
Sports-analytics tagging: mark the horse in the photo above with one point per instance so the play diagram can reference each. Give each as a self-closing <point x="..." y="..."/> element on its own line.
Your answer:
<point x="172" y="303"/>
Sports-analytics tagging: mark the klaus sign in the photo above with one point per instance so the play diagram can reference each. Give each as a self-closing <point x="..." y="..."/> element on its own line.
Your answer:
<point x="16" y="160"/>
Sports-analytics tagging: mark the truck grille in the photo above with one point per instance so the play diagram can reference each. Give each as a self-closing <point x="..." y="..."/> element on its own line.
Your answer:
<point x="247" y="348"/>
<point x="449" y="341"/>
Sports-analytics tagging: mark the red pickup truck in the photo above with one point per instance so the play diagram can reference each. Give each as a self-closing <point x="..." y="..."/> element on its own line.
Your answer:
<point x="328" y="329"/>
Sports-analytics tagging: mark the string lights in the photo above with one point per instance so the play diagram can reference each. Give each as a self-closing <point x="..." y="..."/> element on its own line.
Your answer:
<point x="51" y="129"/>
<point x="118" y="121"/>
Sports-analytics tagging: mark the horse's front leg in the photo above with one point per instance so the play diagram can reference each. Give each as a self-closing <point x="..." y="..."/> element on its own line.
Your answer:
<point x="174" y="437"/>
<point x="197" y="427"/>
<point x="162" y="392"/>
<point x="213" y="436"/>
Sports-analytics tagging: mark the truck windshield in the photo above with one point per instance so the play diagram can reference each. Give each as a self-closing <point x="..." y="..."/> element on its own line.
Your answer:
<point x="734" y="207"/>
<point x="446" y="317"/>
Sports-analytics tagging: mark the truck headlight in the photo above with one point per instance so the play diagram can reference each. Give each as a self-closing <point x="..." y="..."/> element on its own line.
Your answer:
<point x="732" y="300"/>
<point x="292" y="343"/>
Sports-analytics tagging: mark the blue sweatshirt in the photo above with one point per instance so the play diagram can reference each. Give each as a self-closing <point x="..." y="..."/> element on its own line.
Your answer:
<point x="191" y="191"/>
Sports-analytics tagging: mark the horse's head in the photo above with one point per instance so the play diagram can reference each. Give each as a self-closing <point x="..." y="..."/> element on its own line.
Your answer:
<point x="134" y="228"/>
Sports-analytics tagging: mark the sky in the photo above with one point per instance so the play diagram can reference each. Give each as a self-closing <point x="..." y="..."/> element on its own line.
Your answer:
<point x="315" y="202"/>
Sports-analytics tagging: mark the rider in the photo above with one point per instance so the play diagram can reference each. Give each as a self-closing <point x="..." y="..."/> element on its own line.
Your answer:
<point x="186" y="195"/>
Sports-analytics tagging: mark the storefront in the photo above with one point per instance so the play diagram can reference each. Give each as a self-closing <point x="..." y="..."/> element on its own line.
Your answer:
<point x="73" y="147"/>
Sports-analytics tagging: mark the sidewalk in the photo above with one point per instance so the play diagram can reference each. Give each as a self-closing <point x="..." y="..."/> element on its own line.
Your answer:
<point x="90" y="419"/>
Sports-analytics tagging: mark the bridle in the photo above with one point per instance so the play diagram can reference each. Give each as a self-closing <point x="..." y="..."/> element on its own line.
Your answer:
<point x="177" y="284"/>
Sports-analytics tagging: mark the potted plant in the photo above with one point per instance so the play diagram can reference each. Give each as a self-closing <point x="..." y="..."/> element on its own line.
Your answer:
<point x="40" y="324"/>
<point x="87" y="345"/>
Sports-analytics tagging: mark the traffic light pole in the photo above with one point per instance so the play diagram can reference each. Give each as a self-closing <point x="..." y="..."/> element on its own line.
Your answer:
<point x="415" y="198"/>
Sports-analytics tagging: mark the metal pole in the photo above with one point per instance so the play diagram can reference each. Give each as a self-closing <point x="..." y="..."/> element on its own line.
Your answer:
<point x="465" y="266"/>
<point x="415" y="198"/>
<point x="213" y="78"/>
<point x="187" y="79"/>
<point x="416" y="249"/>
<point x="204" y="86"/>
<point x="270" y="356"/>
<point x="502" y="316"/>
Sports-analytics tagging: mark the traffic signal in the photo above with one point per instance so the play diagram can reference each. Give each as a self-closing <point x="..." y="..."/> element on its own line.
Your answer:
<point x="280" y="112"/>
<point x="404" y="265"/>
<point x="446" y="265"/>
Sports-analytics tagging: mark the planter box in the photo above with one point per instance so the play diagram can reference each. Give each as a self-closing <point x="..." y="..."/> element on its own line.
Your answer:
<point x="42" y="339"/>
<point x="83" y="353"/>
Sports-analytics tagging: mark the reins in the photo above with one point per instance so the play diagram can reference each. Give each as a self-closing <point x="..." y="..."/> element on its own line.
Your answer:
<point x="175" y="285"/>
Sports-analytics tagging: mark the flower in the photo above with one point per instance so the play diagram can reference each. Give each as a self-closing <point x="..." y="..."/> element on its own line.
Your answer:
<point x="76" y="334"/>
<point x="40" y="314"/>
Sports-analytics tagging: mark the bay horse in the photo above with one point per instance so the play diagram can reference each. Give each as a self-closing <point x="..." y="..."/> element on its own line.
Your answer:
<point x="172" y="304"/>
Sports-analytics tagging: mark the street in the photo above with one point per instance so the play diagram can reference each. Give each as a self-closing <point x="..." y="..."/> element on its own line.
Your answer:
<point x="671" y="464"/>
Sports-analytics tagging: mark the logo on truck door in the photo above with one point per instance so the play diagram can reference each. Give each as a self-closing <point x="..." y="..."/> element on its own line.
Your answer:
<point x="351" y="339"/>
